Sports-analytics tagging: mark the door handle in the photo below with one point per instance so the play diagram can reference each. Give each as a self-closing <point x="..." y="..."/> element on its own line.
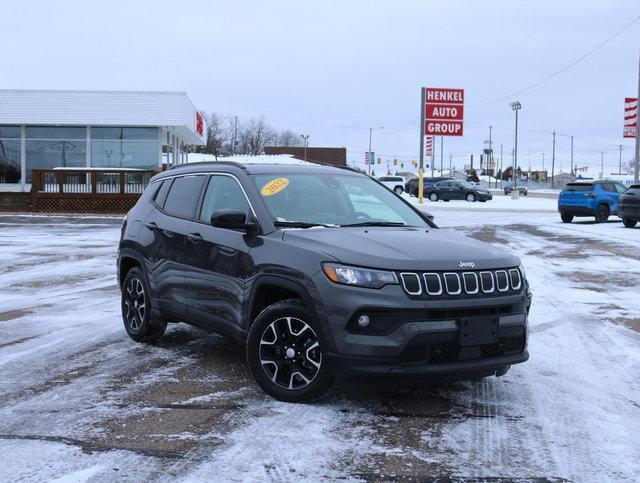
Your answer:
<point x="195" y="237"/>
<point x="151" y="225"/>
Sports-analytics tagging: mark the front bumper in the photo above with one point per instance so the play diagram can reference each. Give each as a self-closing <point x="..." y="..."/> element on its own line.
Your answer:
<point x="422" y="346"/>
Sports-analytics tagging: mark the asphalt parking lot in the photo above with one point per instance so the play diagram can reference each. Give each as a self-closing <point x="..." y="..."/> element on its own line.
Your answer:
<point x="92" y="404"/>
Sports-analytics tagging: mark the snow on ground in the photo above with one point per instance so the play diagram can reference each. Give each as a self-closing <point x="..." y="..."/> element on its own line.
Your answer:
<point x="498" y="203"/>
<point x="90" y="404"/>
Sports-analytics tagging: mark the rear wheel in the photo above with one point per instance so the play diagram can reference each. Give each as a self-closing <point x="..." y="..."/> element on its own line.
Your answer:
<point x="136" y="309"/>
<point x="566" y="218"/>
<point x="398" y="190"/>
<point x="629" y="222"/>
<point x="471" y="197"/>
<point x="433" y="197"/>
<point x="602" y="213"/>
<point x="285" y="353"/>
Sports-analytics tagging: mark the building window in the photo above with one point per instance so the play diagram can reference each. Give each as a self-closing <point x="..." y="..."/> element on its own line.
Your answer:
<point x="9" y="154"/>
<point x="53" y="147"/>
<point x="124" y="147"/>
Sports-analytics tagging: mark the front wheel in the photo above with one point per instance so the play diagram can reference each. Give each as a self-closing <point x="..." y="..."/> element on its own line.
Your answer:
<point x="471" y="197"/>
<point x="398" y="190"/>
<point x="433" y="197"/>
<point x="629" y="222"/>
<point x="566" y="218"/>
<point x="285" y="353"/>
<point x="602" y="214"/>
<point x="136" y="309"/>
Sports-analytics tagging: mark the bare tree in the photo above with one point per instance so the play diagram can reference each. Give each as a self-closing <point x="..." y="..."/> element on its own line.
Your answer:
<point x="288" y="139"/>
<point x="254" y="135"/>
<point x="218" y="134"/>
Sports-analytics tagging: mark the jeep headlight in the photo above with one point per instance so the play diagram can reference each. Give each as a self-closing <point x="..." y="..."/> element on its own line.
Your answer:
<point x="358" y="277"/>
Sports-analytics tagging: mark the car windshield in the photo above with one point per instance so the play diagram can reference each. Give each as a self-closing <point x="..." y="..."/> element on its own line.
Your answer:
<point x="309" y="199"/>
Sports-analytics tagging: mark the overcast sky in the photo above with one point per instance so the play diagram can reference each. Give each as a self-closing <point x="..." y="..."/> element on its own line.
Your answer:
<point x="331" y="69"/>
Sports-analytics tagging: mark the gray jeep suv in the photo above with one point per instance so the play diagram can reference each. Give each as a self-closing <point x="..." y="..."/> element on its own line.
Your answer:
<point x="321" y="272"/>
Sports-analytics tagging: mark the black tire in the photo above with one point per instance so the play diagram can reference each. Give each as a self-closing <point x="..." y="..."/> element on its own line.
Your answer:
<point x="470" y="197"/>
<point x="398" y="190"/>
<point x="433" y="197"/>
<point x="602" y="214"/>
<point x="284" y="352"/>
<point x="566" y="218"/>
<point x="629" y="222"/>
<point x="136" y="308"/>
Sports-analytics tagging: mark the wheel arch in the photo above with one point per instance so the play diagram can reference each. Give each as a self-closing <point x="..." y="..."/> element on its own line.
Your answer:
<point x="267" y="290"/>
<point x="125" y="263"/>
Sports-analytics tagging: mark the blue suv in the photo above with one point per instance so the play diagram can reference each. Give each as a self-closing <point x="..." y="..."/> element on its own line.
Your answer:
<point x="593" y="198"/>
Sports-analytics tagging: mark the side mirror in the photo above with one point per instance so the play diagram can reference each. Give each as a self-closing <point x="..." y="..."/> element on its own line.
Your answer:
<point x="233" y="220"/>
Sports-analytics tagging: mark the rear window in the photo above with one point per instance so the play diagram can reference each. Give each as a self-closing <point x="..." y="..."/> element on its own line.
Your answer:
<point x="579" y="187"/>
<point x="183" y="196"/>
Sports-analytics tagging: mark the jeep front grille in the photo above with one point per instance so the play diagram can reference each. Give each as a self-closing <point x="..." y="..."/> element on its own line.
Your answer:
<point x="484" y="282"/>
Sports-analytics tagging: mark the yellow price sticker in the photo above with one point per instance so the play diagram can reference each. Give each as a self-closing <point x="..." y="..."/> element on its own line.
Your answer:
<point x="274" y="186"/>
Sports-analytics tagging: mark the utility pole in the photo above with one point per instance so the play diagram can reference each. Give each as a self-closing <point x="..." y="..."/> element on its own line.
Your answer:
<point x="543" y="161"/>
<point x="601" y="164"/>
<point x="450" y="156"/>
<point x="637" y="170"/>
<point x="441" y="154"/>
<point x="553" y="161"/>
<point x="235" y="134"/>
<point x="370" y="157"/>
<point x="491" y="157"/>
<point x="500" y="166"/>
<point x="620" y="161"/>
<point x="572" y="155"/>
<point x="421" y="168"/>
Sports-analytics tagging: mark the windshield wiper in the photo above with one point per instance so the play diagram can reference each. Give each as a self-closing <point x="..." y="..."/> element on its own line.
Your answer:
<point x="376" y="223"/>
<point x="297" y="224"/>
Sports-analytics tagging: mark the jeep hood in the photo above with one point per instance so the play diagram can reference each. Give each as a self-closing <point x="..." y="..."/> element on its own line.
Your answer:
<point x="401" y="248"/>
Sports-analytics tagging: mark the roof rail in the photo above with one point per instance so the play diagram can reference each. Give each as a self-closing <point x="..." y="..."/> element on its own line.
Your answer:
<point x="208" y="163"/>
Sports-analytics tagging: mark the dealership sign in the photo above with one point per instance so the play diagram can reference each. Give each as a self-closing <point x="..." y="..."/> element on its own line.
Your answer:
<point x="444" y="112"/>
<point x="630" y="117"/>
<point x="199" y="124"/>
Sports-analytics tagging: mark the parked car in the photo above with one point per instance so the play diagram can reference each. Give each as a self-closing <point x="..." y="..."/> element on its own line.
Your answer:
<point x="521" y="189"/>
<point x="394" y="183"/>
<point x="629" y="206"/>
<point x="454" y="189"/>
<point x="592" y="198"/>
<point x="411" y="186"/>
<point x="319" y="272"/>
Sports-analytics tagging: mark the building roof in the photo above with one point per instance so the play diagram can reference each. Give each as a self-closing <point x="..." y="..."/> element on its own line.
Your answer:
<point x="172" y="110"/>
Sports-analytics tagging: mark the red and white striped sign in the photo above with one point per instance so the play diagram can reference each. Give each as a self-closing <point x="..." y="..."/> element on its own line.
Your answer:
<point x="444" y="112"/>
<point x="630" y="117"/>
<point x="429" y="146"/>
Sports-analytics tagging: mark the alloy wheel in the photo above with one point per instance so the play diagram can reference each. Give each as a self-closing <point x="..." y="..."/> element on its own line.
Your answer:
<point x="290" y="353"/>
<point x="134" y="301"/>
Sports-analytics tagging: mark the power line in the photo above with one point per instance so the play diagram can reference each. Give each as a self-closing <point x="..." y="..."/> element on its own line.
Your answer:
<point x="551" y="76"/>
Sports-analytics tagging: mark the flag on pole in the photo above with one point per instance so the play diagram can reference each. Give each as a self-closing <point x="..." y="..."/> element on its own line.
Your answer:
<point x="630" y="117"/>
<point x="369" y="157"/>
<point x="429" y="150"/>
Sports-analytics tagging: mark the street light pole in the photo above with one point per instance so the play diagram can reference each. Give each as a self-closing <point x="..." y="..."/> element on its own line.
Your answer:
<point x="572" y="155"/>
<point x="305" y="137"/>
<point x="516" y="106"/>
<point x="370" y="158"/>
<point x="553" y="161"/>
<point x="636" y="173"/>
<point x="620" y="161"/>
<point x="601" y="164"/>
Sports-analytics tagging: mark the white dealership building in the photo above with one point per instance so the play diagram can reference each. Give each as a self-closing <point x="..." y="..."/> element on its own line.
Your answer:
<point x="44" y="129"/>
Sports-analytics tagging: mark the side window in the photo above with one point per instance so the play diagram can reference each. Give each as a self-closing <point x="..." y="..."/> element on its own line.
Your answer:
<point x="183" y="196"/>
<point x="621" y="188"/>
<point x="161" y="195"/>
<point x="223" y="193"/>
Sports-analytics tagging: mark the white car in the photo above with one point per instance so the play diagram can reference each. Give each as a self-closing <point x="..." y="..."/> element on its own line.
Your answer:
<point x="394" y="183"/>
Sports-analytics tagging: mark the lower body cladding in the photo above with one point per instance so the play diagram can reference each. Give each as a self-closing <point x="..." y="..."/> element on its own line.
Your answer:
<point x="424" y="341"/>
<point x="575" y="210"/>
<point x="629" y="211"/>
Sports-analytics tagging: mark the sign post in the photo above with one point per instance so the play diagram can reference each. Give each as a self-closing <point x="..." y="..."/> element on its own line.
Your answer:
<point x="421" y="167"/>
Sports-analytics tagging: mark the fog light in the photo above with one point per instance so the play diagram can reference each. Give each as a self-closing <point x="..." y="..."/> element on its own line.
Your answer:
<point x="363" y="320"/>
